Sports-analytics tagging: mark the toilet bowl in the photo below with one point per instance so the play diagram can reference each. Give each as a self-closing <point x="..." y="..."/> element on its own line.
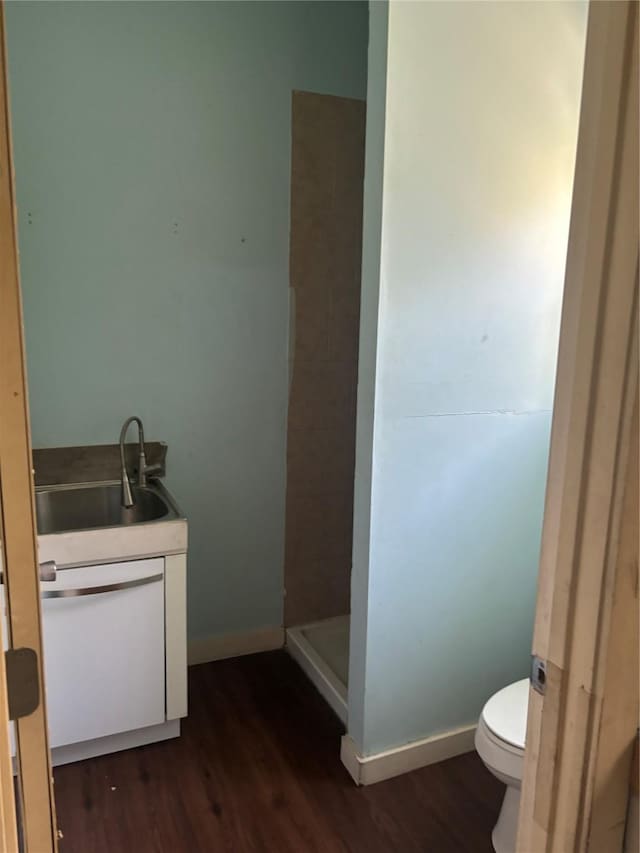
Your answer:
<point x="500" y="744"/>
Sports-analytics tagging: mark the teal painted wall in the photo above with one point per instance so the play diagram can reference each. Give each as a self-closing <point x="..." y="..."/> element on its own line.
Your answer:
<point x="367" y="358"/>
<point x="152" y="145"/>
<point x="459" y="326"/>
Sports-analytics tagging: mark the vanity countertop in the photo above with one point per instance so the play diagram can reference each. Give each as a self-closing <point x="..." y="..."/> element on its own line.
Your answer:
<point x="158" y="538"/>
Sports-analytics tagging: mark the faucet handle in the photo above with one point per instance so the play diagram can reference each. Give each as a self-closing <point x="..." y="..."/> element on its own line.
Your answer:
<point x="147" y="471"/>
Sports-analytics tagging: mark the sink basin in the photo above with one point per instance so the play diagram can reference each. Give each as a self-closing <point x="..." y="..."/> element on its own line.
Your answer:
<point x="90" y="506"/>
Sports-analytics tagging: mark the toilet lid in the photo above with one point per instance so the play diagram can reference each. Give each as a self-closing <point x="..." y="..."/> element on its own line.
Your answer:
<point x="506" y="713"/>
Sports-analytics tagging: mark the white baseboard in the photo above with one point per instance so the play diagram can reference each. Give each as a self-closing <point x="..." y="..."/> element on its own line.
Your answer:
<point x="114" y="743"/>
<point x="221" y="646"/>
<point x="366" y="770"/>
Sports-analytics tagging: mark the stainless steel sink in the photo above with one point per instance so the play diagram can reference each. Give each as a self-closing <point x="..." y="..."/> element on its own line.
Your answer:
<point x="84" y="507"/>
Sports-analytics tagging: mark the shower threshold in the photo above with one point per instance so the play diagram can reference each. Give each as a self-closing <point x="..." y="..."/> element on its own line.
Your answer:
<point x="322" y="650"/>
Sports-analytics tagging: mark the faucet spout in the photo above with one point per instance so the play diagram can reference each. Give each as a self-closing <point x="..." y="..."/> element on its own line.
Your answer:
<point x="127" y="498"/>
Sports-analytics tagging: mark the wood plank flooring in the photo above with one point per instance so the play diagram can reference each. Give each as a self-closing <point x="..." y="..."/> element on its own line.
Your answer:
<point x="257" y="770"/>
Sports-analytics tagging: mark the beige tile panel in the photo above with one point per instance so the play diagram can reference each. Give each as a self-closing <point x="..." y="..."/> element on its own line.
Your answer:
<point x="343" y="335"/>
<point x="317" y="589"/>
<point x="323" y="395"/>
<point x="320" y="461"/>
<point x="325" y="256"/>
<point x="313" y="170"/>
<point x="312" y="324"/>
<point x="319" y="526"/>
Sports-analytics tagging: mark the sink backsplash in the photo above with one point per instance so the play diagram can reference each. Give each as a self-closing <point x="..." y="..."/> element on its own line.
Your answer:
<point x="92" y="463"/>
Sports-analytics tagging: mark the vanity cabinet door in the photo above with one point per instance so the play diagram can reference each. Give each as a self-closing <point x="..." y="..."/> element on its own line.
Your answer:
<point x="104" y="650"/>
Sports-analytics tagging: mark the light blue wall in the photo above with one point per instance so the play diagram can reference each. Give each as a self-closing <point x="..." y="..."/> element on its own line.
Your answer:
<point x="369" y="305"/>
<point x="152" y="149"/>
<point x="481" y="108"/>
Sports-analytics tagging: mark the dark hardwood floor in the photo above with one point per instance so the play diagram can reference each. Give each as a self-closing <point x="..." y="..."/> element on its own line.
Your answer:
<point x="257" y="770"/>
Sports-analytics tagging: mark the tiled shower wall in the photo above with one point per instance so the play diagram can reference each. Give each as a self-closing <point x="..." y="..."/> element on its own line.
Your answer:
<point x="325" y="253"/>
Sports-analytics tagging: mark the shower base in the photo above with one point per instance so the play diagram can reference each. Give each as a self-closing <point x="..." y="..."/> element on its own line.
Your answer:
<point x="322" y="650"/>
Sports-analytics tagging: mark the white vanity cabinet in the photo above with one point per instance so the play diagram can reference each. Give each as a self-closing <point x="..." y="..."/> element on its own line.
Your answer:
<point x="115" y="654"/>
<point x="104" y="650"/>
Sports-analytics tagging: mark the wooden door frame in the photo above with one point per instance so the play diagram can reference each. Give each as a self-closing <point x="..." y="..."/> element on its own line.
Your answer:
<point x="8" y="826"/>
<point x="18" y="532"/>
<point x="579" y="740"/>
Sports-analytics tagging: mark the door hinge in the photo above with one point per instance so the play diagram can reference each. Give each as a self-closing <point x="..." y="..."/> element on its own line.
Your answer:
<point x="23" y="684"/>
<point x="538" y="674"/>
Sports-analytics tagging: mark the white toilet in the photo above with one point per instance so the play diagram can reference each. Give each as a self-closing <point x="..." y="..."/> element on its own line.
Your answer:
<point x="500" y="744"/>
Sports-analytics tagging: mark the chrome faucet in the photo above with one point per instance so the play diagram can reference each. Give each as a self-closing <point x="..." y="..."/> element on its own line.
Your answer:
<point x="127" y="498"/>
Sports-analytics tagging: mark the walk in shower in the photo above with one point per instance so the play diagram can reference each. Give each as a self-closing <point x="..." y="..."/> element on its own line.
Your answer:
<point x="327" y="171"/>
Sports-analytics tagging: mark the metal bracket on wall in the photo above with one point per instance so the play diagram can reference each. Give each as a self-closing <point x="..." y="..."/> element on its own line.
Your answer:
<point x="23" y="686"/>
<point x="538" y="676"/>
